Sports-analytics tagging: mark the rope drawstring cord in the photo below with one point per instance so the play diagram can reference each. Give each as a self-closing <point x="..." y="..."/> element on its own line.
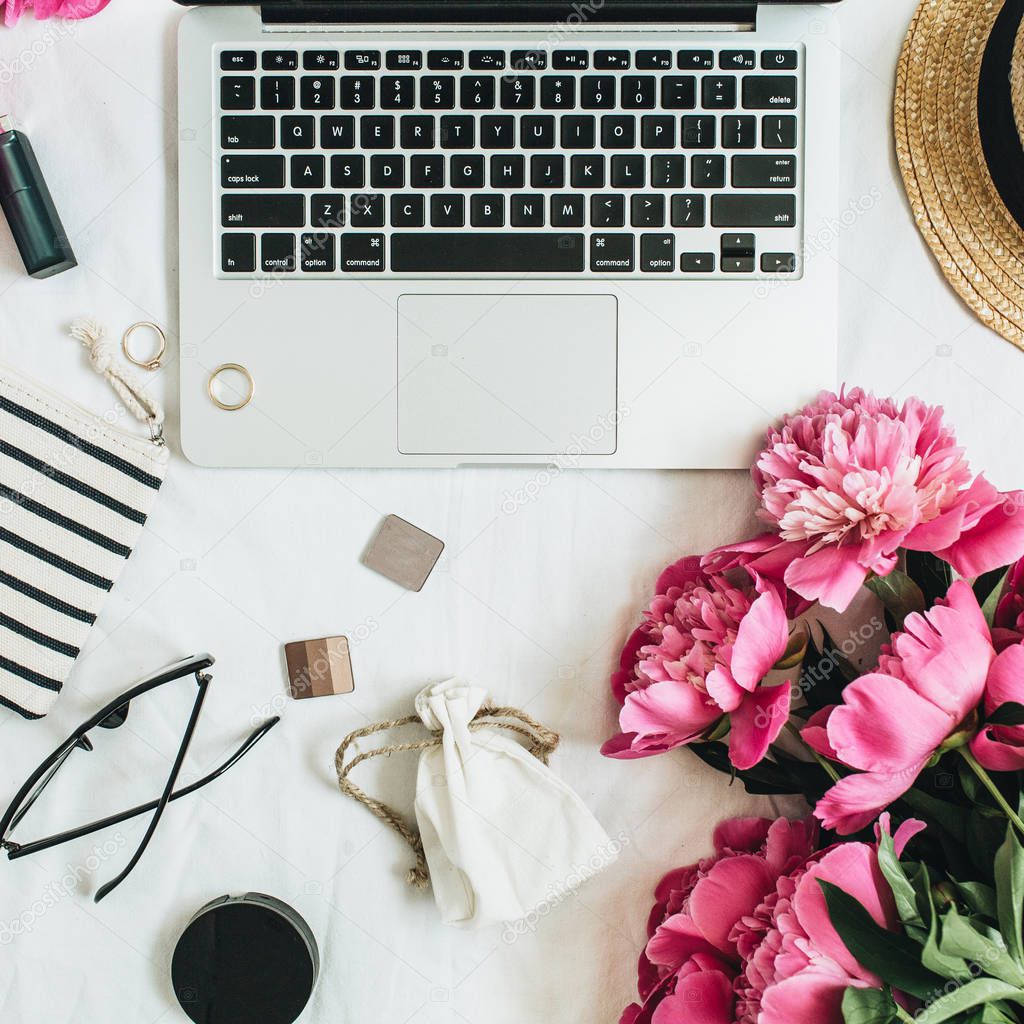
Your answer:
<point x="542" y="743"/>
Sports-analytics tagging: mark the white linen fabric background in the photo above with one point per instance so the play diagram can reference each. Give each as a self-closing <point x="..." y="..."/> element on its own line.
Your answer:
<point x="543" y="576"/>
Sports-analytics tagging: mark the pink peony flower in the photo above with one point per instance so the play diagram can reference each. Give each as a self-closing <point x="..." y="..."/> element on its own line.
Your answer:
<point x="892" y="720"/>
<point x="703" y="649"/>
<point x="72" y="9"/>
<point x="1000" y="748"/>
<point x="851" y="479"/>
<point x="1008" y="623"/>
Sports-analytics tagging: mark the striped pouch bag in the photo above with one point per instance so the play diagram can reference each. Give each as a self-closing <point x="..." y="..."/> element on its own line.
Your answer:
<point x="75" y="492"/>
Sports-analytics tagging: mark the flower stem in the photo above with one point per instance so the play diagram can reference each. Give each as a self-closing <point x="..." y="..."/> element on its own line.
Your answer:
<point x="902" y="1014"/>
<point x="986" y="781"/>
<point x="825" y="766"/>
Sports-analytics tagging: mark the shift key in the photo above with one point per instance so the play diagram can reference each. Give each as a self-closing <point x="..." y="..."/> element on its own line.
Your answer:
<point x="753" y="211"/>
<point x="259" y="211"/>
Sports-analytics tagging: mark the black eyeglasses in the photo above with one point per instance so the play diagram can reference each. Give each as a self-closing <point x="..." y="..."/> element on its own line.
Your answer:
<point x="113" y="716"/>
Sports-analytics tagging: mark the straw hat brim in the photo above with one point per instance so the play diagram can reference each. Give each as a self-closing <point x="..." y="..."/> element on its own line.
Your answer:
<point x="963" y="218"/>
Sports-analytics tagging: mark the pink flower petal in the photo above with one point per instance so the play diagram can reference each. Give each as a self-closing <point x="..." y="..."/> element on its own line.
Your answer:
<point x="996" y="540"/>
<point x="815" y="733"/>
<point x="741" y="835"/>
<point x="676" y="941"/>
<point x="854" y="802"/>
<point x="756" y="724"/>
<point x="761" y="639"/>
<point x="731" y="889"/>
<point x="705" y="998"/>
<point x="724" y="690"/>
<point x="814" y="996"/>
<point x="832" y="576"/>
<point x="675" y="713"/>
<point x="686" y="571"/>
<point x="994" y="754"/>
<point x="1005" y="682"/>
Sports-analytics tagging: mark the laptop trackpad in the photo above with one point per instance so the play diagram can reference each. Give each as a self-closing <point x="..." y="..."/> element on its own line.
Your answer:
<point x="507" y="374"/>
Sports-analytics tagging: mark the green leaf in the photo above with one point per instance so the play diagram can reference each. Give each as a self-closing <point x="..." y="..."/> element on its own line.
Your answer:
<point x="961" y="939"/>
<point x="805" y="778"/>
<point x="893" y="957"/>
<point x="1009" y="871"/>
<point x="980" y="899"/>
<point x="868" y="1006"/>
<point x="902" y="890"/>
<point x="939" y="812"/>
<point x="930" y="573"/>
<point x="795" y="650"/>
<point x="932" y="956"/>
<point x="988" y="588"/>
<point x="898" y="593"/>
<point x="1010" y="713"/>
<point x="975" y="993"/>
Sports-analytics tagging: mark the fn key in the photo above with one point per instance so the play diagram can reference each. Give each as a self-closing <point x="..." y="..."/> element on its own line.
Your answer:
<point x="238" y="254"/>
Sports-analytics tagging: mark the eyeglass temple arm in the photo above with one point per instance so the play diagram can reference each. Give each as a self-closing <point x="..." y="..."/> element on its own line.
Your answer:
<point x="82" y="744"/>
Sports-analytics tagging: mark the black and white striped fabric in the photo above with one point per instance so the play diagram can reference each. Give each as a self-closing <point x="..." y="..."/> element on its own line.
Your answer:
<point x="74" y="494"/>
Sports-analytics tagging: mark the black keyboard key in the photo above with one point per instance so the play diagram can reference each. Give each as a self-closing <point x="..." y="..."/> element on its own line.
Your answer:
<point x="579" y="131"/>
<point x="764" y="171"/>
<point x="508" y="171"/>
<point x="362" y="253"/>
<point x="327" y="211"/>
<point x="639" y="92"/>
<point x="238" y="60"/>
<point x="366" y="210"/>
<point x="647" y="211"/>
<point x="477" y="92"/>
<point x="779" y="60"/>
<point x="568" y="211"/>
<point x="737" y="60"/>
<point x="417" y="132"/>
<point x="362" y="60"/>
<point x="238" y="253"/>
<point x="277" y="92"/>
<point x="486" y="60"/>
<point x="668" y="170"/>
<point x="738" y="245"/>
<point x="778" y="263"/>
<point x="338" y="132"/>
<point x="697" y="262"/>
<point x="658" y="131"/>
<point x="628" y="171"/>
<point x="280" y="60"/>
<point x="316" y="253"/>
<point x="657" y="254"/>
<point x="278" y="253"/>
<point x="547" y="171"/>
<point x="618" y="131"/>
<point x="557" y="92"/>
<point x="467" y="171"/>
<point x="737" y="264"/>
<point x="612" y="60"/>
<point x="570" y="60"/>
<point x="357" y="92"/>
<point x="426" y="171"/>
<point x="387" y="171"/>
<point x="597" y="92"/>
<point x="437" y="92"/>
<point x="529" y="60"/>
<point x="587" y="171"/>
<point x="487" y="211"/>
<point x="653" y="60"/>
<point x="404" y="60"/>
<point x="526" y="211"/>
<point x="247" y="132"/>
<point x="445" y="60"/>
<point x="321" y="60"/>
<point x="316" y="92"/>
<point x="487" y="252"/>
<point x="739" y="132"/>
<point x="458" y="132"/>
<point x="769" y="92"/>
<point x="679" y="92"/>
<point x="537" y="131"/>
<point x="398" y="92"/>
<point x="447" y="211"/>
<point x="308" y="171"/>
<point x="695" y="60"/>
<point x="778" y="132"/>
<point x="498" y="132"/>
<point x="262" y="211"/>
<point x="611" y="253"/>
<point x="407" y="211"/>
<point x="607" y="211"/>
<point x="689" y="212"/>
<point x="238" y="93"/>
<point x="699" y="132"/>
<point x="518" y="92"/>
<point x="753" y="211"/>
<point x="377" y="132"/>
<point x="348" y="171"/>
<point x="708" y="172"/>
<point x="718" y="92"/>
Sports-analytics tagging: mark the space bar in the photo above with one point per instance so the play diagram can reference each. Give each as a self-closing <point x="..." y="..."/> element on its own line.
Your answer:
<point x="486" y="253"/>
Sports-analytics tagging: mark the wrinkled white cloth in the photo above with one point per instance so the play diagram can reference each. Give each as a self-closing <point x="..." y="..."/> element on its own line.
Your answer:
<point x="501" y="832"/>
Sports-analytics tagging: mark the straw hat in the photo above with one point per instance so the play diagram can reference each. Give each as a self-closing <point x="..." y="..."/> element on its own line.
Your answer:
<point x="959" y="121"/>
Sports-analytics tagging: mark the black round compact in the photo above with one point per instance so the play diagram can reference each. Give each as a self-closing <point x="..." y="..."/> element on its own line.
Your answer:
<point x="245" y="960"/>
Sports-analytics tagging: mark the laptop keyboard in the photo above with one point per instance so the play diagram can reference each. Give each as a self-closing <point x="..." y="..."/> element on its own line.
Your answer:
<point x="623" y="162"/>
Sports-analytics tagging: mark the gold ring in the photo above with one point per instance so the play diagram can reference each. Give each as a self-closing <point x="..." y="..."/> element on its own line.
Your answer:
<point x="151" y="364"/>
<point x="230" y="406"/>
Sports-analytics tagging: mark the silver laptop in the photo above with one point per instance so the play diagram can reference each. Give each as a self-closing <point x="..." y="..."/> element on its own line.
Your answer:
<point x="591" y="233"/>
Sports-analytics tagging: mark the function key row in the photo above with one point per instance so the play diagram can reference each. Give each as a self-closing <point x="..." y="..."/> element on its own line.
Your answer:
<point x="497" y="60"/>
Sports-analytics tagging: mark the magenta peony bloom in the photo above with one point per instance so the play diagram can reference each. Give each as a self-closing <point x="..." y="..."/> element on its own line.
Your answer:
<point x="704" y="648"/>
<point x="72" y="9"/>
<point x="851" y="479"/>
<point x="1008" y="623"/>
<point x="1000" y="748"/>
<point x="891" y="721"/>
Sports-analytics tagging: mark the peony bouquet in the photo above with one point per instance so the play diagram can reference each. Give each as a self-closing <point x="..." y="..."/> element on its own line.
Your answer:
<point x="901" y="896"/>
<point x="12" y="10"/>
